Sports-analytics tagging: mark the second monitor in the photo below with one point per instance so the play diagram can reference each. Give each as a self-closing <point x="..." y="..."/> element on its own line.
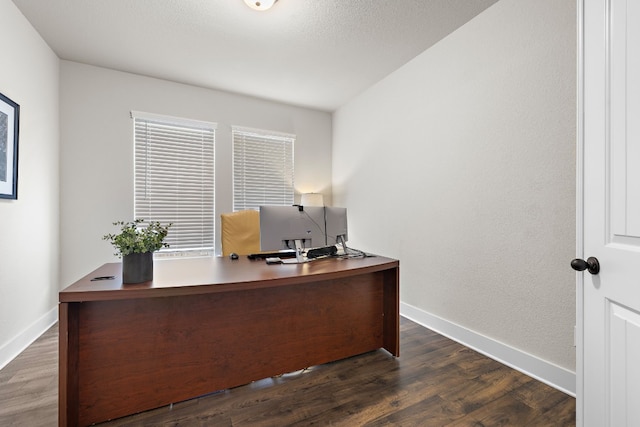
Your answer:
<point x="336" y="226"/>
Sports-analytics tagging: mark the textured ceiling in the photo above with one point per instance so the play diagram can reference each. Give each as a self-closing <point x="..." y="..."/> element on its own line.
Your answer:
<point x="316" y="54"/>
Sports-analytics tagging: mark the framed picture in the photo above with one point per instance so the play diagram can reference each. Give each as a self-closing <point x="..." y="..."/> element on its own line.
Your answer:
<point x="9" y="126"/>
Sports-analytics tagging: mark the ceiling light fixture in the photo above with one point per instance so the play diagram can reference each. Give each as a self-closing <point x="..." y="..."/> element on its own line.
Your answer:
<point x="260" y="4"/>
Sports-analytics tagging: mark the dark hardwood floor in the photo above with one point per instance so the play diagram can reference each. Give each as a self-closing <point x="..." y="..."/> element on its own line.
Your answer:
<point x="435" y="382"/>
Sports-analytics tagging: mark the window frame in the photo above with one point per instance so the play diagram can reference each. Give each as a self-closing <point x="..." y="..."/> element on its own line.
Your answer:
<point x="255" y="148"/>
<point x="172" y="200"/>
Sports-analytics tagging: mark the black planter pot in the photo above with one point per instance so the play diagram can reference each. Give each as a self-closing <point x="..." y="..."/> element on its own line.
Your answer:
<point x="137" y="267"/>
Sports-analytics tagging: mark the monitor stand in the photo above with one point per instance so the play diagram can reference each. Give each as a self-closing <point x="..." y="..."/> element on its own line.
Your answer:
<point x="341" y="242"/>
<point x="300" y="258"/>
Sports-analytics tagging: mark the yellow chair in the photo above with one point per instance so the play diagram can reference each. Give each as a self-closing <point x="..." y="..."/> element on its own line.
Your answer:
<point x="240" y="232"/>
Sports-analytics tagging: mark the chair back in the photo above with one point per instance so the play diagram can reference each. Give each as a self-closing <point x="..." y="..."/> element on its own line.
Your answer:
<point x="240" y="232"/>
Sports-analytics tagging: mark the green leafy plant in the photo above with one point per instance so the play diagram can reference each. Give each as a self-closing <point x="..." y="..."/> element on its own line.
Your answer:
<point x="135" y="238"/>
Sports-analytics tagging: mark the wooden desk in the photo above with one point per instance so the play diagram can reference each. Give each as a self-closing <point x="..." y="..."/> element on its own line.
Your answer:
<point x="208" y="324"/>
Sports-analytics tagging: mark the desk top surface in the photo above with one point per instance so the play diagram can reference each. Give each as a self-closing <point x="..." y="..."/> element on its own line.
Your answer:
<point x="188" y="276"/>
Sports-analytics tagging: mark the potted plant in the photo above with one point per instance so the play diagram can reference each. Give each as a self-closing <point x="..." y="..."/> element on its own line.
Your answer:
<point x="135" y="244"/>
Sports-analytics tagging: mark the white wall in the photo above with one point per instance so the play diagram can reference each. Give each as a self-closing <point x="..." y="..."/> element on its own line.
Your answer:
<point x="97" y="150"/>
<point x="29" y="225"/>
<point x="462" y="165"/>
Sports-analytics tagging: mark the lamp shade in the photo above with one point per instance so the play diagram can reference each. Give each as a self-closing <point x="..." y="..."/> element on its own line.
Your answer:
<point x="260" y="4"/>
<point x="312" y="199"/>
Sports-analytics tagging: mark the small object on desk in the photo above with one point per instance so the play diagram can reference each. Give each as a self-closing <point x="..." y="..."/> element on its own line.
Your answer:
<point x="273" y="260"/>
<point x="103" y="278"/>
<point x="322" y="252"/>
<point x="275" y="254"/>
<point x="233" y="255"/>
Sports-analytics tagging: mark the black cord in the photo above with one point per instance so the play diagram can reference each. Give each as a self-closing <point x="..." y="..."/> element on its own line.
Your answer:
<point x="358" y="253"/>
<point x="315" y="223"/>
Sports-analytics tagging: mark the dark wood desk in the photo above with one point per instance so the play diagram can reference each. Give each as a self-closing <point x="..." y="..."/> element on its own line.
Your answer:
<point x="208" y="324"/>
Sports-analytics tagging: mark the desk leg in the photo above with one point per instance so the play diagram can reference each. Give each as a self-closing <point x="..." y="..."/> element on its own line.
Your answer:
<point x="391" y="327"/>
<point x="68" y="365"/>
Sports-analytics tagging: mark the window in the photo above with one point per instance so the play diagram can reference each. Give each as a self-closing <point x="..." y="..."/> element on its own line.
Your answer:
<point x="262" y="168"/>
<point x="174" y="178"/>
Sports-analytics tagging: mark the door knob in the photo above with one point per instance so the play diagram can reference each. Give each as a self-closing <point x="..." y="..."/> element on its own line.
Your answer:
<point x="591" y="264"/>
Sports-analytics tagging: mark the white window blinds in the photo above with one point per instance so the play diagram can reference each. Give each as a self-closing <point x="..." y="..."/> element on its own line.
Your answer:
<point x="174" y="178"/>
<point x="262" y="168"/>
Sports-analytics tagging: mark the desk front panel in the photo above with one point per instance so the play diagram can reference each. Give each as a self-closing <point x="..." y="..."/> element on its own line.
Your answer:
<point x="143" y="353"/>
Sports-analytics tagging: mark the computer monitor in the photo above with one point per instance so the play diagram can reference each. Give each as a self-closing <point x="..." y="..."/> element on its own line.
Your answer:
<point x="291" y="227"/>
<point x="336" y="226"/>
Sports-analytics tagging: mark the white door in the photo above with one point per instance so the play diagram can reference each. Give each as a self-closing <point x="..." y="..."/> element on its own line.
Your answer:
<point x="609" y="316"/>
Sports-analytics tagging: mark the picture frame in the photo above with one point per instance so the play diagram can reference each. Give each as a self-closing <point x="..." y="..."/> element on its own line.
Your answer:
<point x="9" y="130"/>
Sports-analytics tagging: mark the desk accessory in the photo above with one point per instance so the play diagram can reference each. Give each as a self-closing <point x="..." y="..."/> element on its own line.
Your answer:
<point x="135" y="244"/>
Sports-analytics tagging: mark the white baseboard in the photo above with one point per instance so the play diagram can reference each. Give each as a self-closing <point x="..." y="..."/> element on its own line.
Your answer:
<point x="13" y="348"/>
<point x="548" y="373"/>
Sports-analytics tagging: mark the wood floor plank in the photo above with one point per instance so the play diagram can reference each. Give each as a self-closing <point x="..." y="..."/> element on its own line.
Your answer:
<point x="504" y="411"/>
<point x="435" y="382"/>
